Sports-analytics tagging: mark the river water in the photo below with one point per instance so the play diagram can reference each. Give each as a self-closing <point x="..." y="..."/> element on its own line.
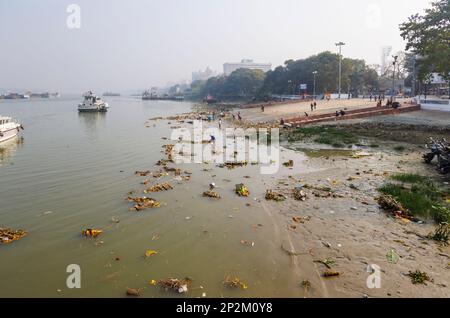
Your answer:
<point x="72" y="171"/>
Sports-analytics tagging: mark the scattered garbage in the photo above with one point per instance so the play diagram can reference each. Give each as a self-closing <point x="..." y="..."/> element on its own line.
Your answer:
<point x="149" y="253"/>
<point x="298" y="219"/>
<point x="247" y="243"/>
<point x="211" y="194"/>
<point x="143" y="203"/>
<point x="328" y="262"/>
<point x="8" y="235"/>
<point x="389" y="204"/>
<point x="419" y="277"/>
<point x="289" y="164"/>
<point x="234" y="282"/>
<point x="142" y="173"/>
<point x="178" y="285"/>
<point x="91" y="232"/>
<point x="299" y="194"/>
<point x="242" y="190"/>
<point x="274" y="196"/>
<point x="133" y="292"/>
<point x="329" y="274"/>
<point x="392" y="257"/>
<point x="159" y="187"/>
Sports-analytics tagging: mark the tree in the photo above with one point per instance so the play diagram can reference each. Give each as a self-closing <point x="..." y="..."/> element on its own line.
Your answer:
<point x="428" y="36"/>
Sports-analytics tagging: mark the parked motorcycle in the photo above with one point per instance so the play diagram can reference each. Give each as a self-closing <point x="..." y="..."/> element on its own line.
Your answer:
<point x="441" y="150"/>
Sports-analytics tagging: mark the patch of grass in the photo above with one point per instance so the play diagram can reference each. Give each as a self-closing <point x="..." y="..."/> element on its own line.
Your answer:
<point x="419" y="277"/>
<point x="335" y="137"/>
<point x="421" y="197"/>
<point x="441" y="234"/>
<point x="399" y="148"/>
<point x="409" y="178"/>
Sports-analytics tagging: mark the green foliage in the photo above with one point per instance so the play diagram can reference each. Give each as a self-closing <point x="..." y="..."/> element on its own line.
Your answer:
<point x="422" y="197"/>
<point x="357" y="77"/>
<point x="428" y="35"/>
<point x="409" y="178"/>
<point x="241" y="84"/>
<point x="335" y="137"/>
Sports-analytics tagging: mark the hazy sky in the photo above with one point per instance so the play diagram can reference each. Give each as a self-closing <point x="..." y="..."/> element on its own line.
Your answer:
<point x="134" y="44"/>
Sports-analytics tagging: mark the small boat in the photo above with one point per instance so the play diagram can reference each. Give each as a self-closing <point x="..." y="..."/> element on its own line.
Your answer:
<point x="92" y="103"/>
<point x="8" y="128"/>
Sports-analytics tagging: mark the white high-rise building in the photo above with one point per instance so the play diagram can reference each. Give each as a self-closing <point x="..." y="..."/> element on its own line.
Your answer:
<point x="229" y="68"/>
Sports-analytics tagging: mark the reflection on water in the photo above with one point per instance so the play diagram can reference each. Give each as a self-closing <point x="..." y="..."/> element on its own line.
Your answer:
<point x="8" y="148"/>
<point x="92" y="122"/>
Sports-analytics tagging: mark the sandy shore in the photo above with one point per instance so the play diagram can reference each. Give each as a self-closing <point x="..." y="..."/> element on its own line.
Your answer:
<point x="353" y="231"/>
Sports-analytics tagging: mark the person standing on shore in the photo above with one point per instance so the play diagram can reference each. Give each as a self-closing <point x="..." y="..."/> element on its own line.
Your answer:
<point x="315" y="105"/>
<point x="262" y="108"/>
<point x="312" y="106"/>
<point x="220" y="123"/>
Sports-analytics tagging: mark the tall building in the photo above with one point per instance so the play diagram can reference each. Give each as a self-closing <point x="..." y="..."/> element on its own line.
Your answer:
<point x="203" y="75"/>
<point x="229" y="68"/>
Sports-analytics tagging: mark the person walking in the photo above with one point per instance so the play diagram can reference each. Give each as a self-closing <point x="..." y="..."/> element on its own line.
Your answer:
<point x="220" y="123"/>
<point x="239" y="116"/>
<point x="315" y="105"/>
<point x="312" y="106"/>
<point x="262" y="108"/>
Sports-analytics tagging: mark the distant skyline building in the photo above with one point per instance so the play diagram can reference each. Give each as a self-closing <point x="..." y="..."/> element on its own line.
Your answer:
<point x="203" y="75"/>
<point x="229" y="68"/>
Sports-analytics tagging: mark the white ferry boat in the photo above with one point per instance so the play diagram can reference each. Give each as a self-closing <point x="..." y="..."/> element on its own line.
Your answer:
<point x="8" y="128"/>
<point x="92" y="103"/>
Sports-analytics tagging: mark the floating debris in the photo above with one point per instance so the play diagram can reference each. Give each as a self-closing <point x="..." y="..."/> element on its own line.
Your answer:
<point x="149" y="253"/>
<point x="211" y="194"/>
<point x="274" y="196"/>
<point x="143" y="203"/>
<point x="159" y="187"/>
<point x="289" y="164"/>
<point x="9" y="235"/>
<point x="234" y="282"/>
<point x="91" y="232"/>
<point x="242" y="190"/>
<point x="142" y="173"/>
<point x="133" y="292"/>
<point x="178" y="285"/>
<point x="419" y="277"/>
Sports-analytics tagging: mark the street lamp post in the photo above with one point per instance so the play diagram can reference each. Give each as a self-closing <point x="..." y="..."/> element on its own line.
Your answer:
<point x="340" y="44"/>
<point x="393" y="78"/>
<point x="314" y="93"/>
